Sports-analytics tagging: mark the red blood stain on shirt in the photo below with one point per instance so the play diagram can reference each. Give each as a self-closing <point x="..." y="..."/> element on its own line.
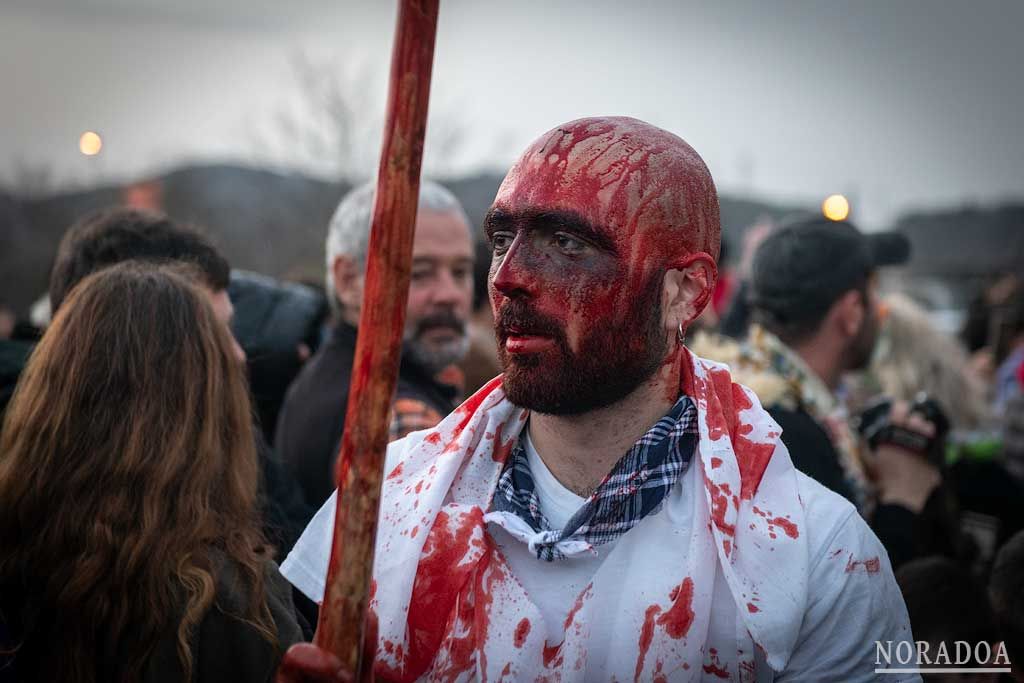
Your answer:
<point x="871" y="565"/>
<point x="787" y="526"/>
<point x="577" y="606"/>
<point x="723" y="403"/>
<point x="716" y="463"/>
<point x="501" y="448"/>
<point x="716" y="670"/>
<point x="433" y="438"/>
<point x="440" y="577"/>
<point x="467" y="410"/>
<point x="719" y="508"/>
<point x="752" y="608"/>
<point x="522" y="630"/>
<point x="646" y="638"/>
<point x="679" y="617"/>
<point x="397" y="472"/>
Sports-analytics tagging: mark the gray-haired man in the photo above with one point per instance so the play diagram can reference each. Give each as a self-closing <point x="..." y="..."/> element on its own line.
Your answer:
<point x="440" y="296"/>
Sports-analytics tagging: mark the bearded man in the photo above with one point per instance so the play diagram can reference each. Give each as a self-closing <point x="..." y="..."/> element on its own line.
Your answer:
<point x="611" y="507"/>
<point x="312" y="419"/>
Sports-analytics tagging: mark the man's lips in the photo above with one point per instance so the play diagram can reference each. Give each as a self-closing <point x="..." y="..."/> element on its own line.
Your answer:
<point x="522" y="341"/>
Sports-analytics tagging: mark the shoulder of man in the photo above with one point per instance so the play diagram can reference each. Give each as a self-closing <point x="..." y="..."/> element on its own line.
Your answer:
<point x="854" y="604"/>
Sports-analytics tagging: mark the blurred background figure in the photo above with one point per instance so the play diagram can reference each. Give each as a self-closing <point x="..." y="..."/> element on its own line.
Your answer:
<point x="1006" y="591"/>
<point x="116" y="235"/>
<point x="128" y="495"/>
<point x="947" y="604"/>
<point x="814" y="307"/>
<point x="916" y="362"/>
<point x="279" y="325"/>
<point x="13" y="355"/>
<point x="312" y="419"/>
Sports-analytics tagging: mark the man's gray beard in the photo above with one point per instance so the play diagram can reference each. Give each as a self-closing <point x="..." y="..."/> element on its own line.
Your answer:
<point x="437" y="358"/>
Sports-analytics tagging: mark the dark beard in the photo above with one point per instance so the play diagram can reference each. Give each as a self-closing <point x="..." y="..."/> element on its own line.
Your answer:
<point x="613" y="360"/>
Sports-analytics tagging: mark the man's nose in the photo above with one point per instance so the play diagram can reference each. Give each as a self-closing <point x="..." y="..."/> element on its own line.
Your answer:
<point x="449" y="290"/>
<point x="513" y="276"/>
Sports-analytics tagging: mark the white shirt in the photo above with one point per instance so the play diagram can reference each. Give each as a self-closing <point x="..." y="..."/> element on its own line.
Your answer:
<point x="842" y="622"/>
<point x="558" y="504"/>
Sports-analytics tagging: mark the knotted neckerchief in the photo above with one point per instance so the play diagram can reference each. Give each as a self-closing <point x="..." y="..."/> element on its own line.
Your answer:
<point x="634" y="488"/>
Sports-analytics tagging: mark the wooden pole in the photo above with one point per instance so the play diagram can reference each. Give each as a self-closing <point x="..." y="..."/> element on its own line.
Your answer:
<point x="342" y="625"/>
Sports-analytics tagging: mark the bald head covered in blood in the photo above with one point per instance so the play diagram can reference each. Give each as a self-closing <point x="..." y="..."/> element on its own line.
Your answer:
<point x="605" y="235"/>
<point x="624" y="175"/>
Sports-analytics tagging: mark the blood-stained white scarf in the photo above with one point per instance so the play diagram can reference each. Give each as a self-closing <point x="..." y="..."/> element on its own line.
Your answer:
<point x="666" y="604"/>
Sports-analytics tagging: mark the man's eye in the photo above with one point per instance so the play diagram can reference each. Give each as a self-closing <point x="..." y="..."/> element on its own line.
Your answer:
<point x="569" y="244"/>
<point x="500" y="242"/>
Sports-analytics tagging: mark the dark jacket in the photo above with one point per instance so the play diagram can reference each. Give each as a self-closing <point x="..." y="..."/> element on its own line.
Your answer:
<point x="272" y="320"/>
<point x="13" y="358"/>
<point x="224" y="647"/>
<point x="904" y="534"/>
<point x="313" y="416"/>
<point x="811" y="449"/>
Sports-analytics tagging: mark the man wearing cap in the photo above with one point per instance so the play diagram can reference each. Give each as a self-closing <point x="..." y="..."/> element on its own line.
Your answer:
<point x="612" y="507"/>
<point x="815" y="311"/>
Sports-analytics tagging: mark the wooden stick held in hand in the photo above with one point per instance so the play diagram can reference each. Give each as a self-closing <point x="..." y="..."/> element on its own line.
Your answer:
<point x="342" y="627"/>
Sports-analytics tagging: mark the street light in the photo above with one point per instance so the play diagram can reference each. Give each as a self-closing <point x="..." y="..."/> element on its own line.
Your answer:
<point x="835" y="207"/>
<point x="90" y="143"/>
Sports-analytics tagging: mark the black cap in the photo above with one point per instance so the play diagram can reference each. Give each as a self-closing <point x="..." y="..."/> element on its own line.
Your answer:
<point x="805" y="265"/>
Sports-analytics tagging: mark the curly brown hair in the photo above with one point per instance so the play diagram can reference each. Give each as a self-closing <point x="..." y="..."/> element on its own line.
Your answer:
<point x="127" y="472"/>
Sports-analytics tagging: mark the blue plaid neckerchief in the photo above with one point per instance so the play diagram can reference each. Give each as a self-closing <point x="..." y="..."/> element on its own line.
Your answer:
<point x="635" y="487"/>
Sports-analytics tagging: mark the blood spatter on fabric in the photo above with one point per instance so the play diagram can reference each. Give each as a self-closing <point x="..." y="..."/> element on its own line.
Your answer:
<point x="396" y="473"/>
<point x="679" y="617"/>
<point x="871" y="565"/>
<point x="714" y="667"/>
<point x="522" y="630"/>
<point x="723" y="402"/>
<point x="719" y="508"/>
<point x="646" y="638"/>
<point x="450" y="554"/>
<point x="466" y="412"/>
<point x="787" y="526"/>
<point x="676" y="621"/>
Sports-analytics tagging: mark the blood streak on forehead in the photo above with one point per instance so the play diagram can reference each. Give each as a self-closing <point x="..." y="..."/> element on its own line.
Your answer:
<point x="624" y="176"/>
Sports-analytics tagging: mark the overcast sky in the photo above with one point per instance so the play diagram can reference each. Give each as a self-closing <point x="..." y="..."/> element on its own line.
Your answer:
<point x="906" y="104"/>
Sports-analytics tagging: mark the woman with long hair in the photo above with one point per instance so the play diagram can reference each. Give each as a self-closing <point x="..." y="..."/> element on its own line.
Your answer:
<point x="130" y="544"/>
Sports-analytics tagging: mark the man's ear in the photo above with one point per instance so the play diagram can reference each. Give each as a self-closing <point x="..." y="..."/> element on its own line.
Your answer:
<point x="687" y="289"/>
<point x="849" y="312"/>
<point x="348" y="284"/>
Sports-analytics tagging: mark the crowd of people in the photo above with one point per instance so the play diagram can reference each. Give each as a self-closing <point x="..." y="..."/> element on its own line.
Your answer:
<point x="686" y="468"/>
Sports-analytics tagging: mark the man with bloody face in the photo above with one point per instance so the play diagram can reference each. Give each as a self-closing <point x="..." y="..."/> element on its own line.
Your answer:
<point x="612" y="507"/>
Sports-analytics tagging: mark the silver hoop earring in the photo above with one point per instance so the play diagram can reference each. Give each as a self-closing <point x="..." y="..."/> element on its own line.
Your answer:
<point x="680" y="335"/>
